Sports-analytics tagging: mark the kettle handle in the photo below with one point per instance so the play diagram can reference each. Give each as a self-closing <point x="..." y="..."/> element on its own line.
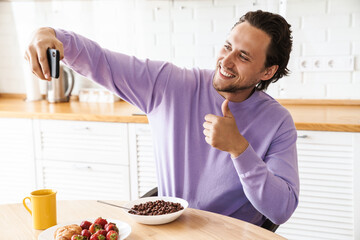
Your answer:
<point x="68" y="72"/>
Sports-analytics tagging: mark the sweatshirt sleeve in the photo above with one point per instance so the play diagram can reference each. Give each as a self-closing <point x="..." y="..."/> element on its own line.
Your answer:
<point x="272" y="184"/>
<point x="139" y="82"/>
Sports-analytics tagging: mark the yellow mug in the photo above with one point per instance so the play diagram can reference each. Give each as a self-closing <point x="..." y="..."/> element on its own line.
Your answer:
<point x="43" y="205"/>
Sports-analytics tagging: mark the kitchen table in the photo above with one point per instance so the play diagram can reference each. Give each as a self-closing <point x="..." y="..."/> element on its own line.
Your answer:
<point x="16" y="223"/>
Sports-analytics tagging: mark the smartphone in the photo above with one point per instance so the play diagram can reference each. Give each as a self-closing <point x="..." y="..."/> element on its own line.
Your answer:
<point x="53" y="56"/>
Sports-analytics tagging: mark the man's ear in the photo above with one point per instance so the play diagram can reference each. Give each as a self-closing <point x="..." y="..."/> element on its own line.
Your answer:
<point x="269" y="72"/>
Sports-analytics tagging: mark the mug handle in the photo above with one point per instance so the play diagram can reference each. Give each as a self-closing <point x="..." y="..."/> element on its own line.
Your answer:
<point x="25" y="205"/>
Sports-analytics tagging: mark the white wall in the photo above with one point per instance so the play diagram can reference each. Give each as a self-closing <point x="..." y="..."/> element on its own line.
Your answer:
<point x="189" y="33"/>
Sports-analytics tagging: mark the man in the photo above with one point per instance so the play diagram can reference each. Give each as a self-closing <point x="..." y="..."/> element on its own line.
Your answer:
<point x="220" y="142"/>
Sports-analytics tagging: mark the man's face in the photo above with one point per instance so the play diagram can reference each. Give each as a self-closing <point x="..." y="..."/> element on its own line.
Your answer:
<point x="241" y="61"/>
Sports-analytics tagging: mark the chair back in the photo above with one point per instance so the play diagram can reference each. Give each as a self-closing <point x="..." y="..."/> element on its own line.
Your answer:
<point x="269" y="225"/>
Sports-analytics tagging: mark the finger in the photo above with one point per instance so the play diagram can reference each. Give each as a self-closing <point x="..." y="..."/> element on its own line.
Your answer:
<point x="211" y="117"/>
<point x="206" y="132"/>
<point x="208" y="125"/>
<point x="208" y="140"/>
<point x="35" y="66"/>
<point x="43" y="61"/>
<point x="225" y="109"/>
<point x="56" y="44"/>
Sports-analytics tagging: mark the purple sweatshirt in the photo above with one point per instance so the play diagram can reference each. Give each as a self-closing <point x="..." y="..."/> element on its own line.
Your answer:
<point x="261" y="183"/>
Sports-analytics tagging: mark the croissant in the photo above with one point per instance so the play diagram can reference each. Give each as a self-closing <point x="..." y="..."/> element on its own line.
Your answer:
<point x="66" y="232"/>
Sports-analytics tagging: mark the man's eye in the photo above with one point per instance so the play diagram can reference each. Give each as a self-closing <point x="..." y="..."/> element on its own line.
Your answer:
<point x="243" y="57"/>
<point x="227" y="47"/>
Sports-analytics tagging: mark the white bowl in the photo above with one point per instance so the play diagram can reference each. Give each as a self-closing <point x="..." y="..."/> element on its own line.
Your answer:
<point x="156" y="219"/>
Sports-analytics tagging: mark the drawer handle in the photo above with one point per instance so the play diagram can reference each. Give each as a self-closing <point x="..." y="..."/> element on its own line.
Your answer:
<point x="303" y="136"/>
<point x="82" y="167"/>
<point x="82" y="129"/>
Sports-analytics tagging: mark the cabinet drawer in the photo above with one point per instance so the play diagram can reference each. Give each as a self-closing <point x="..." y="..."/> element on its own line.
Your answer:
<point x="80" y="141"/>
<point x="84" y="127"/>
<point x="328" y="138"/>
<point x="85" y="180"/>
<point x="327" y="145"/>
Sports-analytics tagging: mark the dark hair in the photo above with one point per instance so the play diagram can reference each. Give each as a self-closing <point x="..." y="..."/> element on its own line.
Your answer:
<point x="278" y="52"/>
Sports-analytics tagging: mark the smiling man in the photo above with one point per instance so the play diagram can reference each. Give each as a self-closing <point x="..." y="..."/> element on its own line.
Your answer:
<point x="241" y="62"/>
<point x="220" y="141"/>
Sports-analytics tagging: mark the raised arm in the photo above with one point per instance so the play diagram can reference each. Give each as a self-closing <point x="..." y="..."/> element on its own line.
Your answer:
<point x="139" y="82"/>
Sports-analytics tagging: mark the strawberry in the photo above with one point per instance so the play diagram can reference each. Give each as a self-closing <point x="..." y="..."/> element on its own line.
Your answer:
<point x="97" y="236"/>
<point x="85" y="224"/>
<point x="86" y="233"/>
<point x="95" y="227"/>
<point x="111" y="226"/>
<point x="112" y="235"/>
<point x="101" y="222"/>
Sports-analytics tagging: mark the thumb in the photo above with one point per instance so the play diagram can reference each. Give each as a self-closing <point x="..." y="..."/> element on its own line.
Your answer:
<point x="225" y="109"/>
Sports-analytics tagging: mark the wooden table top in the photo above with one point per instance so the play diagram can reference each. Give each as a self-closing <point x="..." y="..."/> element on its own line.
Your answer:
<point x="192" y="224"/>
<point x="316" y="115"/>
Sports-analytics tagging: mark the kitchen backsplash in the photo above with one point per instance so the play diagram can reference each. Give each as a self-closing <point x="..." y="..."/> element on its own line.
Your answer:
<point x="324" y="64"/>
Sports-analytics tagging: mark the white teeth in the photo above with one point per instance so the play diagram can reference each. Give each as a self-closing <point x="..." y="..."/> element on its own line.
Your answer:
<point x="225" y="73"/>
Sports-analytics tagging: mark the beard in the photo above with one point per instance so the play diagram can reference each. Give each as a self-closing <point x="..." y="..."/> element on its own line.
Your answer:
<point x="230" y="88"/>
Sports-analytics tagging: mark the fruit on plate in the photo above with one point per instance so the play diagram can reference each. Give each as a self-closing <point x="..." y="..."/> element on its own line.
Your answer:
<point x="112" y="235"/>
<point x="78" y="237"/>
<point x="85" y="224"/>
<point x="95" y="227"/>
<point x="99" y="230"/>
<point x="86" y="233"/>
<point x="101" y="222"/>
<point x="111" y="226"/>
<point x="98" y="236"/>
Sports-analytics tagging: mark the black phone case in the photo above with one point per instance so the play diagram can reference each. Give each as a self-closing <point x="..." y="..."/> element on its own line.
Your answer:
<point x="53" y="56"/>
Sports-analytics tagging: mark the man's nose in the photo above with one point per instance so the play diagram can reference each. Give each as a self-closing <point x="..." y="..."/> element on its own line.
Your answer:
<point x="228" y="60"/>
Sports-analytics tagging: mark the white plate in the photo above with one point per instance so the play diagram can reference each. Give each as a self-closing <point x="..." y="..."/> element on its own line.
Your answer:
<point x="124" y="229"/>
<point x="156" y="219"/>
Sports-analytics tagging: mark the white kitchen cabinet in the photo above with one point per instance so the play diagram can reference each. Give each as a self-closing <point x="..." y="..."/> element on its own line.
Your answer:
<point x="142" y="160"/>
<point x="83" y="160"/>
<point x="329" y="206"/>
<point x="75" y="180"/>
<point x="17" y="169"/>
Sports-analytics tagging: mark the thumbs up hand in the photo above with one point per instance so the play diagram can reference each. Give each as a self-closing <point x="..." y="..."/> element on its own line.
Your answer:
<point x="222" y="132"/>
<point x="226" y="110"/>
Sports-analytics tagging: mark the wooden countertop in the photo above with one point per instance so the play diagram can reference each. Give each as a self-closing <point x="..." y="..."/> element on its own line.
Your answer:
<point x="316" y="115"/>
<point x="325" y="115"/>
<point x="17" y="107"/>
